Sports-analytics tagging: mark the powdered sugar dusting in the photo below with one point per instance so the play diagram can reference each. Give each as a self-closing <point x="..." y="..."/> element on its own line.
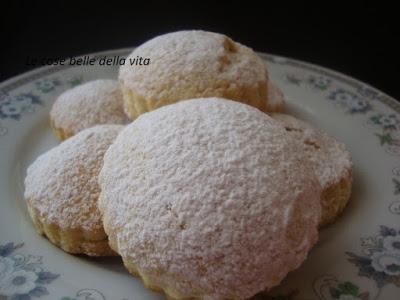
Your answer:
<point x="329" y="157"/>
<point x="93" y="103"/>
<point x="190" y="64"/>
<point x="62" y="183"/>
<point x="210" y="198"/>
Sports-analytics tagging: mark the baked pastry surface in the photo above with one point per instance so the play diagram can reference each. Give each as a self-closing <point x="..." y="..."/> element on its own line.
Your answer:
<point x="92" y="103"/>
<point x="192" y="64"/>
<point x="331" y="162"/>
<point x="209" y="199"/>
<point x="61" y="192"/>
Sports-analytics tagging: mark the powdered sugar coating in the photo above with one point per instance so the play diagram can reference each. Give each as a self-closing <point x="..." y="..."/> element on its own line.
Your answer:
<point x="194" y="64"/>
<point x="208" y="198"/>
<point x="329" y="157"/>
<point x="61" y="184"/>
<point x="92" y="103"/>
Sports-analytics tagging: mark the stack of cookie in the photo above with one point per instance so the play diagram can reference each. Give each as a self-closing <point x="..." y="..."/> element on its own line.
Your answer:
<point x="209" y="193"/>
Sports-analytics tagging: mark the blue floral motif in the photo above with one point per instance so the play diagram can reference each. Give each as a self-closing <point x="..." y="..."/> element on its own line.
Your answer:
<point x="47" y="85"/>
<point x="14" y="107"/>
<point x="367" y="92"/>
<point x="293" y="79"/>
<point x="22" y="277"/>
<point x="330" y="287"/>
<point x="381" y="259"/>
<point x="396" y="180"/>
<point x="3" y="96"/>
<point x="319" y="82"/>
<point x="350" y="101"/>
<point x="394" y="207"/>
<point x="388" y="122"/>
<point x="347" y="291"/>
<point x="76" y="80"/>
<point x="387" y="138"/>
<point x="389" y="134"/>
<point x="91" y="294"/>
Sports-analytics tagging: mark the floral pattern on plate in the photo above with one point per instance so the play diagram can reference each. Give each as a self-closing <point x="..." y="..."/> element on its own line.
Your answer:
<point x="22" y="277"/>
<point x="380" y="260"/>
<point x="394" y="207"/>
<point x="351" y="102"/>
<point x="329" y="287"/>
<point x="86" y="294"/>
<point x="389" y="130"/>
<point x="356" y="102"/>
<point x="47" y="85"/>
<point x="14" y="107"/>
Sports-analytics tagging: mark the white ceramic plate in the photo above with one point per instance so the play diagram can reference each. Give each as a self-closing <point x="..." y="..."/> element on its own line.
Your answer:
<point x="358" y="257"/>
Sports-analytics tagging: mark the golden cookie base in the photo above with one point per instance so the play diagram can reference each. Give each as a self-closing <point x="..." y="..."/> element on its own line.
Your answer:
<point x="74" y="241"/>
<point x="135" y="104"/>
<point x="335" y="198"/>
<point x="60" y="133"/>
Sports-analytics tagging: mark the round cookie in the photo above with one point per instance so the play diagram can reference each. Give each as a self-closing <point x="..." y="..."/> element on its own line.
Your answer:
<point x="192" y="64"/>
<point x="208" y="199"/>
<point x="92" y="103"/>
<point x="61" y="192"/>
<point x="331" y="161"/>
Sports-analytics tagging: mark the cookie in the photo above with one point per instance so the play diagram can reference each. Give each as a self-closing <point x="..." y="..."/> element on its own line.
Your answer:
<point x="92" y="103"/>
<point x="209" y="199"/>
<point x="61" y="192"/>
<point x="331" y="162"/>
<point x="192" y="64"/>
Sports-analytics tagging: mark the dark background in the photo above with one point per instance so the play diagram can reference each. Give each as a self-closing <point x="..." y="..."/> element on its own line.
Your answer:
<point x="358" y="39"/>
